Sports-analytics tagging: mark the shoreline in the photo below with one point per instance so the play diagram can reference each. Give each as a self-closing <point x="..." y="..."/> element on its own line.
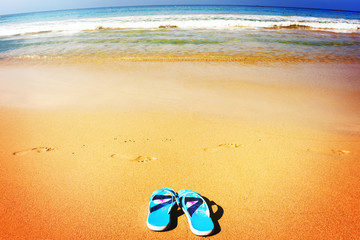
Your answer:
<point x="243" y="59"/>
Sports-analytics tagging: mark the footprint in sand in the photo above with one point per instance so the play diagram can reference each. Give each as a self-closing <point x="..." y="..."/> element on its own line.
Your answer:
<point x="223" y="146"/>
<point x="143" y="159"/>
<point x="333" y="152"/>
<point x="36" y="149"/>
<point x="140" y="159"/>
<point x="340" y="152"/>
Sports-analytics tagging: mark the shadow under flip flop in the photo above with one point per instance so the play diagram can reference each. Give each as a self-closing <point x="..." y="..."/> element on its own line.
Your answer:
<point x="215" y="216"/>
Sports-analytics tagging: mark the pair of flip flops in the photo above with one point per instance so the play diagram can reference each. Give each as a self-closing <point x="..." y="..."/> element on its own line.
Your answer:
<point x="194" y="206"/>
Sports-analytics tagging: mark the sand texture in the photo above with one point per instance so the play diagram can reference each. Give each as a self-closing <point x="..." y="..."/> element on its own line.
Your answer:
<point x="274" y="149"/>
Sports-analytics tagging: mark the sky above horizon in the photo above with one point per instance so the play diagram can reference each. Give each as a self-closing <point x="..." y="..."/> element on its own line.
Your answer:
<point x="23" y="6"/>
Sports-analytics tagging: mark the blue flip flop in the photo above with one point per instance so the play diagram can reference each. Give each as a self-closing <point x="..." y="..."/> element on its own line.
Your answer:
<point x="197" y="212"/>
<point x="160" y="204"/>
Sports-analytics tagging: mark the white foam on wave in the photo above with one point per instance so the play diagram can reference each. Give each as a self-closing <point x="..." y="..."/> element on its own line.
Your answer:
<point x="204" y="21"/>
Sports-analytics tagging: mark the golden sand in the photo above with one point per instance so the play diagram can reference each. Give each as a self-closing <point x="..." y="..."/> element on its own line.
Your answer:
<point x="273" y="149"/>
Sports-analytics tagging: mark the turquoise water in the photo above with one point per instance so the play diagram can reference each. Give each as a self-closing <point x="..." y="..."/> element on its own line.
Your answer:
<point x="217" y="31"/>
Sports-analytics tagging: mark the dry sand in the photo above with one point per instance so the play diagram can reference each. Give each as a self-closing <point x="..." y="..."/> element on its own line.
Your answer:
<point x="275" y="149"/>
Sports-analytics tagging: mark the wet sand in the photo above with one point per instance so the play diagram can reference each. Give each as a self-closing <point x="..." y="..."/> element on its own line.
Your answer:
<point x="274" y="148"/>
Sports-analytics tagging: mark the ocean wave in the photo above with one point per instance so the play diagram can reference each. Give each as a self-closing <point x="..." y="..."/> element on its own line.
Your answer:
<point x="195" y="21"/>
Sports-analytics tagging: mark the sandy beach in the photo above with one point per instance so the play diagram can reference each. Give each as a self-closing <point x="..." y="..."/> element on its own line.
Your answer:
<point x="274" y="148"/>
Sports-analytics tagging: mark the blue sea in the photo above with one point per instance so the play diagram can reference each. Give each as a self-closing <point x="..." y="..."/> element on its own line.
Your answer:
<point x="229" y="33"/>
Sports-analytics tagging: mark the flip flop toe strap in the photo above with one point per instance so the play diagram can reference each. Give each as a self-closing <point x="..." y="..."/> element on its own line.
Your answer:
<point x="197" y="202"/>
<point x="162" y="200"/>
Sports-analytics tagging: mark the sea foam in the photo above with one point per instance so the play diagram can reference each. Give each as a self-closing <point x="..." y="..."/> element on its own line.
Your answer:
<point x="195" y="21"/>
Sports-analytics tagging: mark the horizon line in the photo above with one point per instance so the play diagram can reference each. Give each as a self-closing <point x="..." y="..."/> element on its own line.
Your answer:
<point x="175" y="5"/>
